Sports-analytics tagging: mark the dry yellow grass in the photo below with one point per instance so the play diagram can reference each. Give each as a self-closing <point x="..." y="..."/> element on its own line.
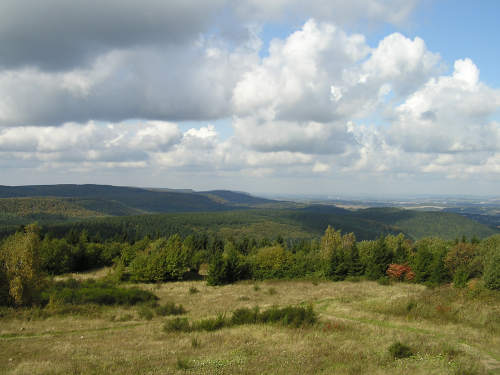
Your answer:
<point x="357" y="324"/>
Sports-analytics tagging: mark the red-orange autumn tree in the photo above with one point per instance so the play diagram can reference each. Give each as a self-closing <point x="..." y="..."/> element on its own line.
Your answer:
<point x="400" y="272"/>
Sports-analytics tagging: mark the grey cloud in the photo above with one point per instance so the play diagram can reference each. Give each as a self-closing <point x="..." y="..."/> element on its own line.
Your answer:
<point x="177" y="83"/>
<point x="308" y="138"/>
<point x="428" y="115"/>
<point x="60" y="34"/>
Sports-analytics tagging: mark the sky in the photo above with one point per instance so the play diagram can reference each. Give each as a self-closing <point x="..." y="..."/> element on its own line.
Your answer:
<point x="325" y="97"/>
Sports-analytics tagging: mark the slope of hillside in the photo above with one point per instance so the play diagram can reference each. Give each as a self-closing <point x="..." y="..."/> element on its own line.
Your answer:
<point x="134" y="198"/>
<point x="119" y="200"/>
<point x="22" y="211"/>
<point x="48" y="206"/>
<point x="233" y="197"/>
<point x="418" y="224"/>
<point x="272" y="223"/>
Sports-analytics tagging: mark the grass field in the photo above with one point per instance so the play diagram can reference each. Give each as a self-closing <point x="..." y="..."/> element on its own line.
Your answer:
<point x="449" y="331"/>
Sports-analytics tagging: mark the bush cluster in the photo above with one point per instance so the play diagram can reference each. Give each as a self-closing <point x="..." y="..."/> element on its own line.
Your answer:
<point x="399" y="350"/>
<point x="79" y="293"/>
<point x="292" y="316"/>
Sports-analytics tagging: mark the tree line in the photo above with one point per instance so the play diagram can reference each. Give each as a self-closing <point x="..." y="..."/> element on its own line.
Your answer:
<point x="27" y="256"/>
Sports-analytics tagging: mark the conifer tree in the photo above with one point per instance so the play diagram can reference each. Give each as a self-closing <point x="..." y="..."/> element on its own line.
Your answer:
<point x="217" y="270"/>
<point x="379" y="260"/>
<point x="356" y="268"/>
<point x="438" y="271"/>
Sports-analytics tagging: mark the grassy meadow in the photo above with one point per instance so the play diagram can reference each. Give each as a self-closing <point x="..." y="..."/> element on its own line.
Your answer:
<point x="443" y="331"/>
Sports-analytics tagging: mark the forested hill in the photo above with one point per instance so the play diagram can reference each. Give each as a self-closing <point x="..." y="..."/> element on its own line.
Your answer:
<point x="118" y="200"/>
<point x="419" y="224"/>
<point x="235" y="197"/>
<point x="275" y="223"/>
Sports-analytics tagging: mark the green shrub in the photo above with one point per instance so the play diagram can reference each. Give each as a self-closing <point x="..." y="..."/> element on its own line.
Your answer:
<point x="294" y="316"/>
<point x="177" y="325"/>
<point x="101" y="293"/>
<point x="399" y="350"/>
<point x="289" y="316"/>
<point x="169" y="308"/>
<point x="210" y="324"/>
<point x="245" y="316"/>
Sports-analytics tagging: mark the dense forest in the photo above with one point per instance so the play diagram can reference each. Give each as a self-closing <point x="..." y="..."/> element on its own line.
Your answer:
<point x="299" y="223"/>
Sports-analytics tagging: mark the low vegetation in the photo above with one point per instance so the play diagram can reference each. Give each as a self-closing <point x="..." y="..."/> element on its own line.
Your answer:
<point x="293" y="316"/>
<point x="322" y="327"/>
<point x="75" y="292"/>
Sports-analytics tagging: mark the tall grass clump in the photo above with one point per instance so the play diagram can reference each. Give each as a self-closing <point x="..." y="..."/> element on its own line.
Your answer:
<point x="295" y="316"/>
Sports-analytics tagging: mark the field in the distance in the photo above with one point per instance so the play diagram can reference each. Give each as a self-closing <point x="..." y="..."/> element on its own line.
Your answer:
<point x="449" y="331"/>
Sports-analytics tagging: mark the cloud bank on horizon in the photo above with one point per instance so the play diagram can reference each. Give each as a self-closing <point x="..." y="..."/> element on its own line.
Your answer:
<point x="101" y="92"/>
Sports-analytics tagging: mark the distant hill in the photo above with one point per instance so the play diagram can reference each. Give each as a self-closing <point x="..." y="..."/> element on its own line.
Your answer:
<point x="59" y="202"/>
<point x="113" y="210"/>
<point x="236" y="198"/>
